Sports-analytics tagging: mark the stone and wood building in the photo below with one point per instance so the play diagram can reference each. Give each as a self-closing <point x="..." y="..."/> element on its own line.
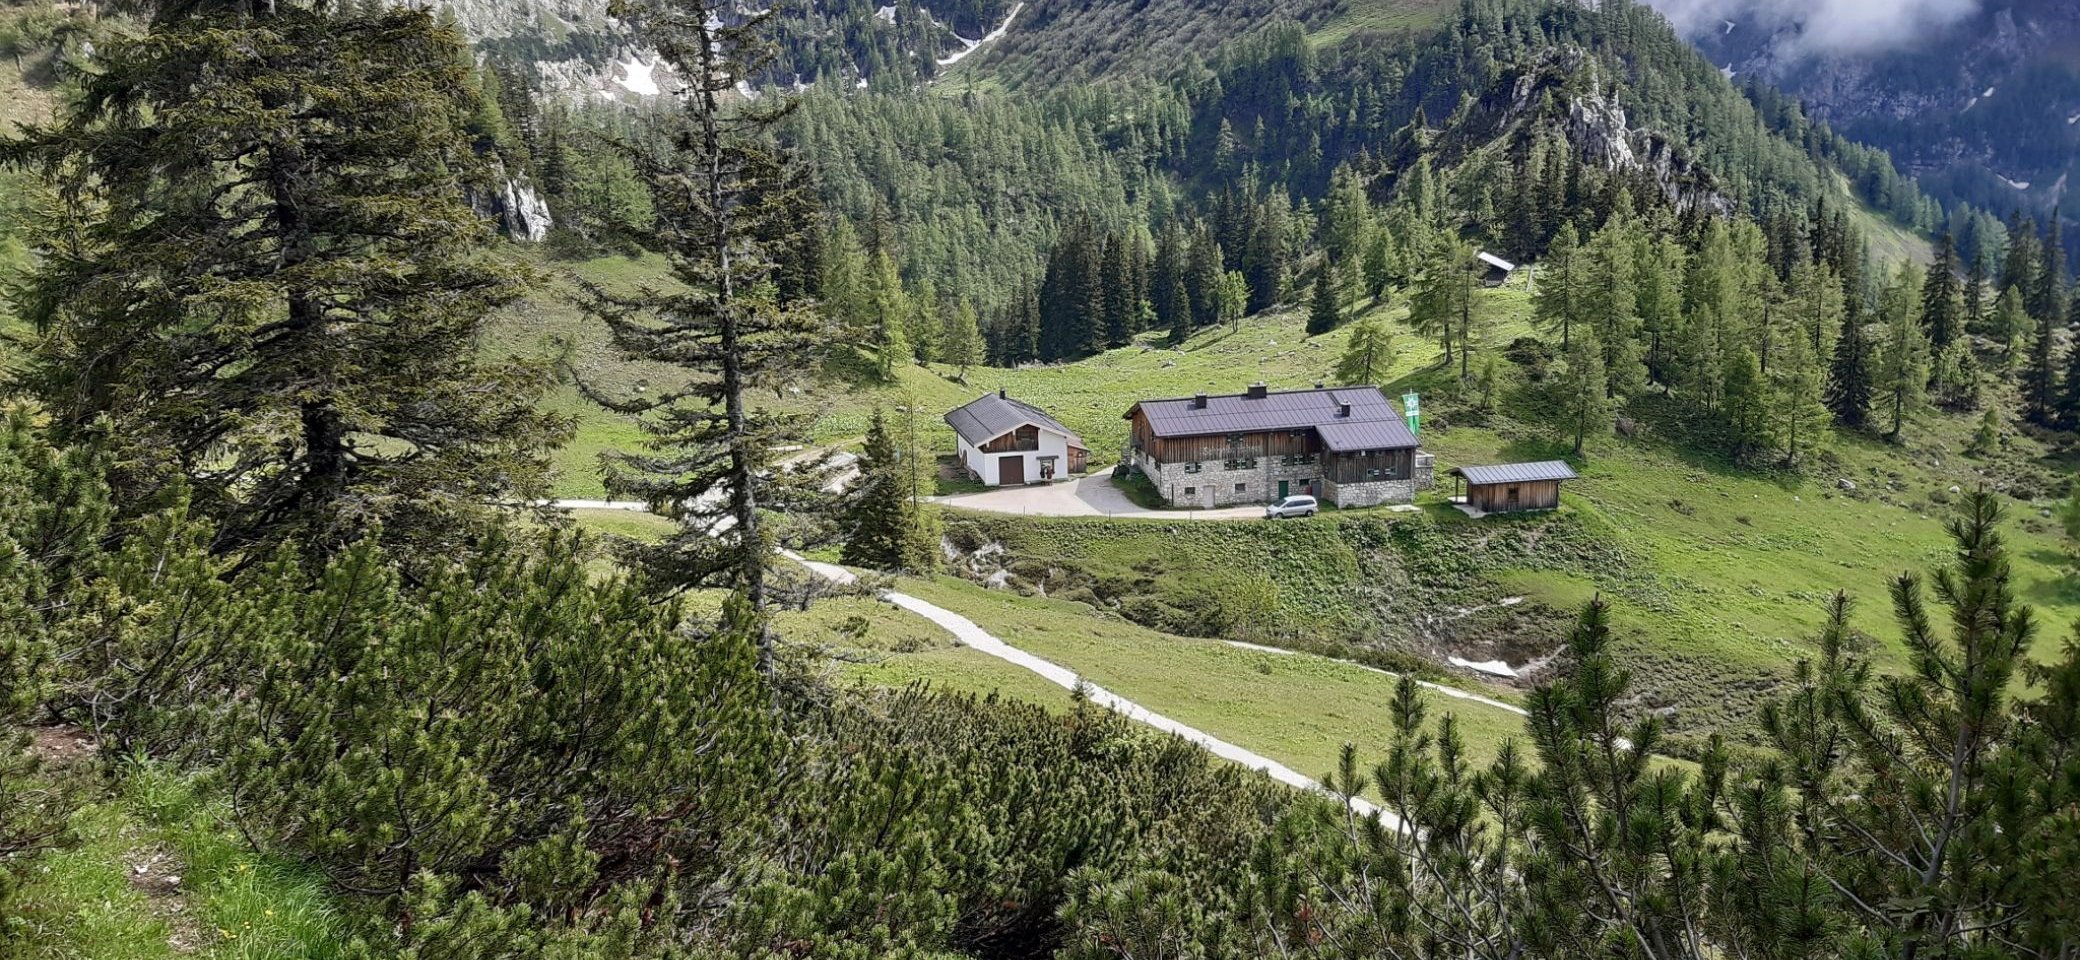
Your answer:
<point x="1006" y="442"/>
<point x="1345" y="445"/>
<point x="1510" y="487"/>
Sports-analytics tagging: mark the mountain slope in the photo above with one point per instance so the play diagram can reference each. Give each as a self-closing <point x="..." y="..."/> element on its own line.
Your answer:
<point x="1985" y="110"/>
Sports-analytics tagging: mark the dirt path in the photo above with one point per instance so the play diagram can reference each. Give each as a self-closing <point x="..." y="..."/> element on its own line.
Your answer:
<point x="971" y="635"/>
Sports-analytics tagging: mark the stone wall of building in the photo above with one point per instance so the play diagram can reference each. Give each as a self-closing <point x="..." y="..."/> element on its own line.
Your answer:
<point x="1214" y="484"/>
<point x="1426" y="470"/>
<point x="1372" y="493"/>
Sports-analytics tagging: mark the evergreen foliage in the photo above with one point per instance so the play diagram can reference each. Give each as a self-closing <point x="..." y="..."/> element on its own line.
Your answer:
<point x="876" y="517"/>
<point x="721" y="195"/>
<point x="264" y="283"/>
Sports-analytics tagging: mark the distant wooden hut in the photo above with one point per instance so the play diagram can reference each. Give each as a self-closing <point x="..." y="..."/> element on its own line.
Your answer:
<point x="1498" y="269"/>
<point x="1511" y="487"/>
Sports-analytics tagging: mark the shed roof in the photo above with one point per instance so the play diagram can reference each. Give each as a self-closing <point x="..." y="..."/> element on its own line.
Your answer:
<point x="993" y="415"/>
<point x="1283" y="410"/>
<point x="1343" y="436"/>
<point x="1495" y="261"/>
<point x="1516" y="472"/>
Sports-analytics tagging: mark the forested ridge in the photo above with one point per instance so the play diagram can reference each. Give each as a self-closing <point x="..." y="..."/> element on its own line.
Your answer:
<point x="272" y="523"/>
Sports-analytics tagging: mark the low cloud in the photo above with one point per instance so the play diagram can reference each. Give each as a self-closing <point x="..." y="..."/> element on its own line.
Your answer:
<point x="1823" y="26"/>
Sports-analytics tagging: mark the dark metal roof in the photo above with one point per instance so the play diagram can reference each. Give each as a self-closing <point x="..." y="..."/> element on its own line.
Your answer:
<point x="993" y="415"/>
<point x="1516" y="472"/>
<point x="1286" y="410"/>
<point x="1342" y="436"/>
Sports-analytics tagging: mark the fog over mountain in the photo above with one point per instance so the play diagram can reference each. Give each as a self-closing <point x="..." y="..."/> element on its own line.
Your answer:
<point x="1822" y="27"/>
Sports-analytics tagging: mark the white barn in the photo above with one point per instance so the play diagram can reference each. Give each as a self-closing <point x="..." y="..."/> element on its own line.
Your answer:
<point x="1003" y="441"/>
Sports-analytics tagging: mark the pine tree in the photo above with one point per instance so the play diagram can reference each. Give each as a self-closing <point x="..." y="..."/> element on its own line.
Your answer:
<point x="876" y="516"/>
<point x="274" y="298"/>
<point x="719" y="189"/>
<point x="1906" y="785"/>
<point x="1326" y="314"/>
<point x="1368" y="354"/>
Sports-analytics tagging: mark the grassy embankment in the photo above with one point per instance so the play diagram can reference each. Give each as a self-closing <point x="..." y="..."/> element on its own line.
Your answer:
<point x="158" y="871"/>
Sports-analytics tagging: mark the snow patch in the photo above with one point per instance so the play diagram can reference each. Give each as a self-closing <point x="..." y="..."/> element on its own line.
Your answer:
<point x="1726" y="71"/>
<point x="2075" y="118"/>
<point x="1729" y="27"/>
<point x="2017" y="184"/>
<point x="1988" y="93"/>
<point x="973" y="45"/>
<point x="1494" y="668"/>
<point x="886" y="14"/>
<point x="640" y="79"/>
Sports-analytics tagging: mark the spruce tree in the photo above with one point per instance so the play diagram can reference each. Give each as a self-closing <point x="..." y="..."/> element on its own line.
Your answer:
<point x="1167" y="288"/>
<point x="1326" y="312"/>
<point x="1849" y="376"/>
<point x="1942" y="310"/>
<point x="720" y="190"/>
<point x="875" y="516"/>
<point x="1203" y="275"/>
<point x="2040" y="385"/>
<point x="2047" y="295"/>
<point x="265" y="283"/>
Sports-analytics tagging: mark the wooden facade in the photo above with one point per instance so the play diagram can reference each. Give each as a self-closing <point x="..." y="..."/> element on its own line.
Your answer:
<point x="1370" y="465"/>
<point x="1023" y="439"/>
<point x="1516" y="497"/>
<point x="1223" y="448"/>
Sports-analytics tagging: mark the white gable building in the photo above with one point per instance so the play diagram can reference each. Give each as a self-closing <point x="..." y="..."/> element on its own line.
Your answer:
<point x="1005" y="442"/>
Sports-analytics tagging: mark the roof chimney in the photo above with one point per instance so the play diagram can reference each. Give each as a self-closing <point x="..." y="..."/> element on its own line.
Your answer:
<point x="1318" y="385"/>
<point x="1258" y="391"/>
<point x="1343" y="408"/>
<point x="1199" y="402"/>
<point x="1001" y="395"/>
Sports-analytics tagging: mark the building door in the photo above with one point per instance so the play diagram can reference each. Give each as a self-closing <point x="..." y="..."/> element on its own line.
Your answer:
<point x="1011" y="470"/>
<point x="1512" y="499"/>
<point x="1282" y="487"/>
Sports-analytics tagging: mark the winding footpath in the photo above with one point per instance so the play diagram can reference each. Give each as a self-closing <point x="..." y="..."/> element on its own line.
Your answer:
<point x="971" y="635"/>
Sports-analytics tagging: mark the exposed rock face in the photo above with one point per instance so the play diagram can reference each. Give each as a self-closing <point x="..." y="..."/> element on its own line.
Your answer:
<point x="524" y="214"/>
<point x="1598" y="129"/>
<point x="1979" y="109"/>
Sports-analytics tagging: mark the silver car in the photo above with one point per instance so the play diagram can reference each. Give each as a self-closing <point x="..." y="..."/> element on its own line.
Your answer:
<point x="1298" y="505"/>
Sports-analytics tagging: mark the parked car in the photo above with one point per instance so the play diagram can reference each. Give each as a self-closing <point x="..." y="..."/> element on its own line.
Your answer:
<point x="1298" y="505"/>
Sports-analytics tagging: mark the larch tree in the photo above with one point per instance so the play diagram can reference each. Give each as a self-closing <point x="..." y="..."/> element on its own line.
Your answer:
<point x="264" y="282"/>
<point x="1900" y="376"/>
<point x="721" y="192"/>
<point x="960" y="343"/>
<point x="1584" y="401"/>
<point x="1368" y="354"/>
<point x="1442" y="305"/>
<point x="1556" y="303"/>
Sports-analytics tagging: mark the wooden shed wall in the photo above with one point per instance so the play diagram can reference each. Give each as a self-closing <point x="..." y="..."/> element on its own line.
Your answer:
<point x="1357" y="467"/>
<point x="1531" y="495"/>
<point x="1223" y="447"/>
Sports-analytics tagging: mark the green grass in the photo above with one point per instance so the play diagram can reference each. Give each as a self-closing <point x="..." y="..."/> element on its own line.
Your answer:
<point x="1299" y="710"/>
<point x="882" y="645"/>
<point x="647" y="527"/>
<point x="158" y="872"/>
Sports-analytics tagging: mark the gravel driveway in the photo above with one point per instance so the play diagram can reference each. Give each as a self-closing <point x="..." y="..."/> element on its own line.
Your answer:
<point x="1091" y="495"/>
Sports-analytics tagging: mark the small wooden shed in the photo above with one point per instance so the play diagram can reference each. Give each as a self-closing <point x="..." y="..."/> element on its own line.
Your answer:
<point x="1498" y="269"/>
<point x="1511" y="487"/>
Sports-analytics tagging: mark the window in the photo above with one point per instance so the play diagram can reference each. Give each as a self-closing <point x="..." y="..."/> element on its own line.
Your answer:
<point x="1191" y="491"/>
<point x="1192" y="467"/>
<point x="1372" y="474"/>
<point x="1242" y="488"/>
